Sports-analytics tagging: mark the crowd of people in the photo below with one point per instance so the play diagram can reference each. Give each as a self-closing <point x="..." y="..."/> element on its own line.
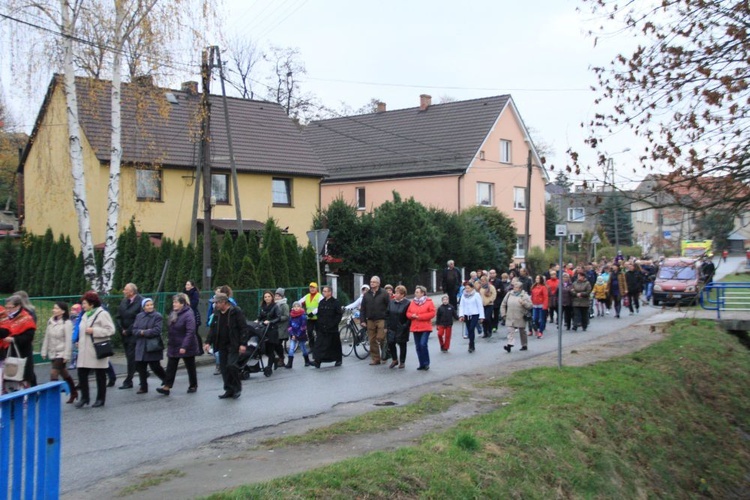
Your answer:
<point x="483" y="303"/>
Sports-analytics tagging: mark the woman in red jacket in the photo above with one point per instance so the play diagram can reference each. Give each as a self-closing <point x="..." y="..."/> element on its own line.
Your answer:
<point x="420" y="313"/>
<point x="540" y="304"/>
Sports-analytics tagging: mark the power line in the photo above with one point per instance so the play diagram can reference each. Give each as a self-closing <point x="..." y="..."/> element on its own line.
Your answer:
<point x="442" y="87"/>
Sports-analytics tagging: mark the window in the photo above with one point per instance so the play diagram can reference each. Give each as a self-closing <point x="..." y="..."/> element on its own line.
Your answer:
<point x="577" y="214"/>
<point x="649" y="216"/>
<point x="575" y="237"/>
<point x="485" y="194"/>
<point x="360" y="195"/>
<point x="148" y="185"/>
<point x="505" y="151"/>
<point x="520" y="247"/>
<point x="281" y="190"/>
<point x="220" y="188"/>
<point x="519" y="198"/>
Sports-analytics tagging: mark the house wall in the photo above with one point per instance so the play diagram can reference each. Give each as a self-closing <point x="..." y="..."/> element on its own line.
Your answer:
<point x="49" y="185"/>
<point x="438" y="192"/>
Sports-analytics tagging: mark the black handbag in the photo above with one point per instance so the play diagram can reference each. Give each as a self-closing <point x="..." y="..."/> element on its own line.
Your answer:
<point x="103" y="348"/>
<point x="154" y="344"/>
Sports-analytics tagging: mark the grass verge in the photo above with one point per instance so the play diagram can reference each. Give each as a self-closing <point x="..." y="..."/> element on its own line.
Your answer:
<point x="149" y="480"/>
<point x="373" y="422"/>
<point x="671" y="421"/>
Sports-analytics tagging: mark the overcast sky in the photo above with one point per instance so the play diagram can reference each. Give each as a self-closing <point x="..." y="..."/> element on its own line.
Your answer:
<point x="395" y="50"/>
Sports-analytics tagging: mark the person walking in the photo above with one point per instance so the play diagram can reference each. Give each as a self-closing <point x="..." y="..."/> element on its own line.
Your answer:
<point x="182" y="343"/>
<point x="372" y="315"/>
<point x="297" y="334"/>
<point x="514" y="308"/>
<point x="581" y="298"/>
<point x="129" y="308"/>
<point x="281" y="302"/>
<point x="540" y="304"/>
<point x="328" y="345"/>
<point x="58" y="346"/>
<point x="470" y="311"/>
<point x="148" y="326"/>
<point x="488" y="293"/>
<point x="634" y="282"/>
<point x="420" y="313"/>
<point x="451" y="282"/>
<point x="194" y="296"/>
<point x="397" y="326"/>
<point x="20" y="323"/>
<point x="617" y="288"/>
<point x="96" y="326"/>
<point x="600" y="296"/>
<point x="567" y="301"/>
<point x="310" y="302"/>
<point x="444" y="317"/>
<point x="553" y="285"/>
<point x="270" y="316"/>
<point x="228" y="335"/>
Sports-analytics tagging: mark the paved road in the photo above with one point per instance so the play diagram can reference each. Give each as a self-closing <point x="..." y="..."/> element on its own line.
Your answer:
<point x="133" y="429"/>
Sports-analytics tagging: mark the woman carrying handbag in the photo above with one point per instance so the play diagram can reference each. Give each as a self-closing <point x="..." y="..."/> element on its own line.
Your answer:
<point x="96" y="328"/>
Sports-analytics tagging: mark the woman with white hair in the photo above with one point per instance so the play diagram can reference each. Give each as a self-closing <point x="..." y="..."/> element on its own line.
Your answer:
<point x="514" y="308"/>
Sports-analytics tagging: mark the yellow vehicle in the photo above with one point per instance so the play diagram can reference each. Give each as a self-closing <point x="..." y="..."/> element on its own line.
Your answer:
<point x="695" y="249"/>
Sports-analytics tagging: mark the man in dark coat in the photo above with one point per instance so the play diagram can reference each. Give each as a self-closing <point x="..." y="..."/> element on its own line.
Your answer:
<point x="450" y="282"/>
<point x="328" y="346"/>
<point x="228" y="335"/>
<point x="129" y="308"/>
<point x="372" y="315"/>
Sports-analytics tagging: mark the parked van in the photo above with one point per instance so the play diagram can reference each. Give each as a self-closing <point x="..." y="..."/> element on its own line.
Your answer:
<point x="677" y="280"/>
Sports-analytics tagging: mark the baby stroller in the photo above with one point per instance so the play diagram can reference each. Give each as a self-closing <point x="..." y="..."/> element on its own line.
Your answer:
<point x="251" y="361"/>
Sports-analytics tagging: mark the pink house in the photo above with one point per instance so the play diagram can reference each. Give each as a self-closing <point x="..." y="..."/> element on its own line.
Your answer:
<point x="450" y="156"/>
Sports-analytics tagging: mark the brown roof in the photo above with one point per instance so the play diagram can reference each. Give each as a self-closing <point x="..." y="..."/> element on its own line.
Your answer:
<point x="157" y="131"/>
<point x="442" y="139"/>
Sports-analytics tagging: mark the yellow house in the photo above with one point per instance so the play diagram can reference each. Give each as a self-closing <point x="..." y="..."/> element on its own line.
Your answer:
<point x="278" y="173"/>
<point x="451" y="156"/>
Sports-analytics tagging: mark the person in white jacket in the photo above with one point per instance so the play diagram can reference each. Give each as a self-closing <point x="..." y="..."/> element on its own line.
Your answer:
<point x="470" y="310"/>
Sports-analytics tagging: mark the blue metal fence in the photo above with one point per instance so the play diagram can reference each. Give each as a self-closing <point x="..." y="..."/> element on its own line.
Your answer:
<point x="719" y="296"/>
<point x="30" y="431"/>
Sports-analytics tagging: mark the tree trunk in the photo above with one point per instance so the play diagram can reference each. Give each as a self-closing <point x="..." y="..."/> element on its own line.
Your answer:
<point x="76" y="154"/>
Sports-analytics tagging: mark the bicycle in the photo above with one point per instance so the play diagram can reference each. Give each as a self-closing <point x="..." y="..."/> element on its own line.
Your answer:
<point x="354" y="337"/>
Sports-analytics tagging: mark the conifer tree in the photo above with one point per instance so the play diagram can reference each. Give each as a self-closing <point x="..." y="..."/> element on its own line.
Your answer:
<point x="246" y="279"/>
<point x="66" y="282"/>
<point x="48" y="279"/>
<point x="227" y="244"/>
<point x="223" y="275"/>
<point x="273" y="245"/>
<point x="186" y="255"/>
<point x="80" y="284"/>
<point x="8" y="255"/>
<point x="176" y="262"/>
<point x="128" y="244"/>
<point x="309" y="264"/>
<point x="215" y="248"/>
<point x="41" y="251"/>
<point x="60" y="263"/>
<point x="266" y="279"/>
<point x="253" y="247"/>
<point x="239" y="251"/>
<point x="141" y="264"/>
<point x="291" y="251"/>
<point x="21" y="252"/>
<point x="165" y="254"/>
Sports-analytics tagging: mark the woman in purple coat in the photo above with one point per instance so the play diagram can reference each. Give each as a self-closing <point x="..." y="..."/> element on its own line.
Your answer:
<point x="181" y="343"/>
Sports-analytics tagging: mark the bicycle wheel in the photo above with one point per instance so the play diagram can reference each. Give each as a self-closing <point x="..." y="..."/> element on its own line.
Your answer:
<point x="362" y="346"/>
<point x="347" y="340"/>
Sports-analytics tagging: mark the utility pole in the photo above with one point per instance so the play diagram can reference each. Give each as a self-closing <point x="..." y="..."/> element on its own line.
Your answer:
<point x="232" y="163"/>
<point x="611" y="173"/>
<point x="205" y="158"/>
<point x="528" y="205"/>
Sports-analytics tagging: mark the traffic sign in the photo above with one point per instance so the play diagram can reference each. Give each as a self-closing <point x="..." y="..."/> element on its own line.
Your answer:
<point x="561" y="230"/>
<point x="596" y="239"/>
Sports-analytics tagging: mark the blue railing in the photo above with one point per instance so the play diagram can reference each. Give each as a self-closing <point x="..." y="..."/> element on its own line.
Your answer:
<point x="719" y="297"/>
<point x="30" y="423"/>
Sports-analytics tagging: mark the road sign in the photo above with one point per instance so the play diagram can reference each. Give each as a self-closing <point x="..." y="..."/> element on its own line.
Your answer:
<point x="318" y="239"/>
<point x="667" y="235"/>
<point x="596" y="239"/>
<point x="561" y="230"/>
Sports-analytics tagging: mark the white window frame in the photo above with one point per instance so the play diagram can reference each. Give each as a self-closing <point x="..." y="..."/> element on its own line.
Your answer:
<point x="360" y="195"/>
<point x="506" y="151"/>
<point x="649" y="216"/>
<point x="216" y="189"/>
<point x="572" y="212"/>
<point x="281" y="187"/>
<point x="144" y="191"/>
<point x="575" y="237"/>
<point x="519" y="203"/>
<point x="488" y="189"/>
<point x="520" y="251"/>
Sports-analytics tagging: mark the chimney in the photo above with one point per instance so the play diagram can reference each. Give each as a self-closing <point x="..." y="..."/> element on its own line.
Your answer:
<point x="425" y="101"/>
<point x="145" y="80"/>
<point x="381" y="107"/>
<point x="190" y="87"/>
